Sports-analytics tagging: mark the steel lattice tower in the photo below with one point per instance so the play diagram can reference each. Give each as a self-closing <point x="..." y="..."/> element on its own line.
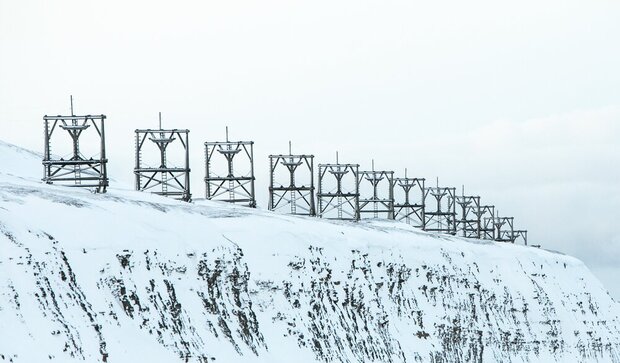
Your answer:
<point x="381" y="200"/>
<point x="409" y="200"/>
<point x="504" y="228"/>
<point x="441" y="219"/>
<point x="76" y="170"/>
<point x="163" y="179"/>
<point x="487" y="229"/>
<point x="222" y="181"/>
<point x="299" y="198"/>
<point x="338" y="191"/>
<point x="469" y="223"/>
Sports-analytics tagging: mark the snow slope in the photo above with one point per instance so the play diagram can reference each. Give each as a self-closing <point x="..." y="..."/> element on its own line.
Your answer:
<point x="131" y="277"/>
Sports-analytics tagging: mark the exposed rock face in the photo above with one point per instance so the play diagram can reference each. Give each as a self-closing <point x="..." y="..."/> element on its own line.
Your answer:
<point x="127" y="277"/>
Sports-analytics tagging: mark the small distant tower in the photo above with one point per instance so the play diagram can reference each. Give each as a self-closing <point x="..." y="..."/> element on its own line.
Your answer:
<point x="487" y="215"/>
<point x="378" y="198"/>
<point x="469" y="224"/>
<point x="441" y="219"/>
<point x="520" y="235"/>
<point x="504" y="229"/>
<point x="223" y="180"/>
<point x="409" y="200"/>
<point x="156" y="174"/>
<point x="338" y="194"/>
<point x="298" y="197"/>
<point x="74" y="168"/>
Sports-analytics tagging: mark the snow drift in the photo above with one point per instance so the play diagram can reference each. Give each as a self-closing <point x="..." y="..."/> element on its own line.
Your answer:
<point x="127" y="276"/>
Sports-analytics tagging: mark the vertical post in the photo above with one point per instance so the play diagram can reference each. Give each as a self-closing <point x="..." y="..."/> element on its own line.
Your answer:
<point x="423" y="212"/>
<point x="188" y="196"/>
<point x="160" y="120"/>
<point x="46" y="150"/>
<point x="71" y="98"/>
<point x="271" y="171"/>
<point x="253" y="196"/>
<point x="312" y="207"/>
<point x="207" y="163"/>
<point x="391" y="214"/>
<point x="496" y="236"/>
<point x="138" y="147"/>
<point x="104" y="169"/>
<point x="357" y="192"/>
<point x="320" y="192"/>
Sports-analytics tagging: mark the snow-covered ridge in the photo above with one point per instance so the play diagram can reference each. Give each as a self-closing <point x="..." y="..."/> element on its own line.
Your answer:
<point x="127" y="276"/>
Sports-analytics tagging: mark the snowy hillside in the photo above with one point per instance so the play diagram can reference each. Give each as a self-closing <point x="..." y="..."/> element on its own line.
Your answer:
<point x="131" y="277"/>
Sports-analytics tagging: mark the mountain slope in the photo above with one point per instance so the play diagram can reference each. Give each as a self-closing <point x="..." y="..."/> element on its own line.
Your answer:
<point x="127" y="276"/>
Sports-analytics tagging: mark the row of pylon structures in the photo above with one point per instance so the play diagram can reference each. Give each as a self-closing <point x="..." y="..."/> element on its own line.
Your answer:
<point x="162" y="167"/>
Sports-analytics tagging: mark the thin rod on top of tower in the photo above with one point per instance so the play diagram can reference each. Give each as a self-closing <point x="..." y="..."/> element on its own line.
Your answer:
<point x="160" y="121"/>
<point x="290" y="152"/>
<point x="71" y="98"/>
<point x="226" y="133"/>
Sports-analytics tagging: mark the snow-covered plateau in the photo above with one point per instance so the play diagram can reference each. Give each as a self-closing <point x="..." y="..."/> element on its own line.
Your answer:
<point x="132" y="277"/>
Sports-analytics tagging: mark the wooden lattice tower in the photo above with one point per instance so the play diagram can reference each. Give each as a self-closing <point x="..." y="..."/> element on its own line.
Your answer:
<point x="338" y="194"/>
<point x="230" y="171"/>
<point x="75" y="169"/>
<point x="292" y="183"/>
<point x="160" y="175"/>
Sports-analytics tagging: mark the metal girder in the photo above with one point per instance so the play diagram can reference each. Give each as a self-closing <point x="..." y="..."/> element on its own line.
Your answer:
<point x="73" y="117"/>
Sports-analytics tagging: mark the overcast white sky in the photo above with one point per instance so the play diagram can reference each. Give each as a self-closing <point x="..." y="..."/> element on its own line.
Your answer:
<point x="519" y="101"/>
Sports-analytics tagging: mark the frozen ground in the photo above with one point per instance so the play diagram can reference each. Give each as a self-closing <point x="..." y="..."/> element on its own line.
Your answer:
<point x="131" y="277"/>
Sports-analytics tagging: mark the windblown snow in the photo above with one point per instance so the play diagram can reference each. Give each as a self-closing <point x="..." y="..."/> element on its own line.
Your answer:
<point x="131" y="277"/>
